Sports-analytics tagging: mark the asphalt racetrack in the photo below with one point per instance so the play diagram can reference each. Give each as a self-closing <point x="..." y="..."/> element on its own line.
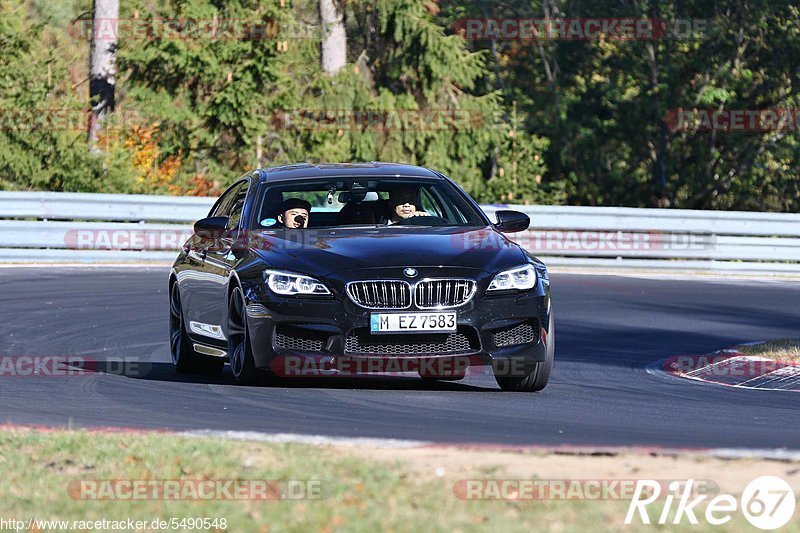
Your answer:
<point x="610" y="329"/>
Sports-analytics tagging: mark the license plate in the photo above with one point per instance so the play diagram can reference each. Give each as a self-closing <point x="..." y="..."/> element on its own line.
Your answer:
<point x="412" y="322"/>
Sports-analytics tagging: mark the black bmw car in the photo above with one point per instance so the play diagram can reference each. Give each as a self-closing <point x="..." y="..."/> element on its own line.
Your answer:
<point x="376" y="266"/>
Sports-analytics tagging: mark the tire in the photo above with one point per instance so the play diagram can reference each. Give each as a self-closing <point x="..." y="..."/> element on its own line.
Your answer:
<point x="184" y="358"/>
<point x="240" y="352"/>
<point x="539" y="373"/>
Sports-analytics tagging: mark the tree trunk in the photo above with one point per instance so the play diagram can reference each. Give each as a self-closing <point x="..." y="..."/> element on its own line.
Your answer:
<point x="334" y="39"/>
<point x="102" y="66"/>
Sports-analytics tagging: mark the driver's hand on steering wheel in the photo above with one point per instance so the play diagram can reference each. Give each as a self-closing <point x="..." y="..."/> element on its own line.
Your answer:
<point x="420" y="214"/>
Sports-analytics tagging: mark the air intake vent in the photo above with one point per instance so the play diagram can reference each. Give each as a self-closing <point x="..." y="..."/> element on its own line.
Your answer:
<point x="301" y="339"/>
<point x="513" y="335"/>
<point x="463" y="341"/>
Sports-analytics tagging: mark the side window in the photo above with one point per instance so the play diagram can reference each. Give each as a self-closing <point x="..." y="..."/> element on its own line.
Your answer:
<point x="222" y="206"/>
<point x="429" y="205"/>
<point x="451" y="211"/>
<point x="232" y="203"/>
<point x="235" y="213"/>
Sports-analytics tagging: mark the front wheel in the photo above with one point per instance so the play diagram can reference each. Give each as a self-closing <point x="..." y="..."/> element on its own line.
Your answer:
<point x="184" y="358"/>
<point x="240" y="353"/>
<point x="539" y="374"/>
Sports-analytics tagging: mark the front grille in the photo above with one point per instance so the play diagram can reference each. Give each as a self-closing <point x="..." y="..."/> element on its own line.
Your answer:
<point x="397" y="294"/>
<point x="512" y="335"/>
<point x="463" y="341"/>
<point x="441" y="293"/>
<point x="380" y="294"/>
<point x="289" y="337"/>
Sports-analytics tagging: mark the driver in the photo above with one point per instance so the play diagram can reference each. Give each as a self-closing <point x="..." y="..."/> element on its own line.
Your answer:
<point x="294" y="213"/>
<point x="403" y="204"/>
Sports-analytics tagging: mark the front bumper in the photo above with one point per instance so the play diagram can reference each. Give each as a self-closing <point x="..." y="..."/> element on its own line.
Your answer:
<point x="490" y="328"/>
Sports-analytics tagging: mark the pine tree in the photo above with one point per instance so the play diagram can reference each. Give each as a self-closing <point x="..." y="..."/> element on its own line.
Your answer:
<point x="42" y="120"/>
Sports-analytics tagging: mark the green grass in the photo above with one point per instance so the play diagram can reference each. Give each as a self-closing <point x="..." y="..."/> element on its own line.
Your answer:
<point x="359" y="494"/>
<point x="780" y="349"/>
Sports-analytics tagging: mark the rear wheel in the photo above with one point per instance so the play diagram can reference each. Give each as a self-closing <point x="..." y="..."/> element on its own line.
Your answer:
<point x="538" y="374"/>
<point x="240" y="353"/>
<point x="185" y="359"/>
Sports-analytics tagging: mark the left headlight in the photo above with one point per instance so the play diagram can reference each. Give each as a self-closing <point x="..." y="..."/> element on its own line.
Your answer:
<point x="521" y="278"/>
<point x="292" y="284"/>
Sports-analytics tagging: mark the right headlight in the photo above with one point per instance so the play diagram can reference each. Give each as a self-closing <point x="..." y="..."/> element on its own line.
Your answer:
<point x="293" y="284"/>
<point x="521" y="278"/>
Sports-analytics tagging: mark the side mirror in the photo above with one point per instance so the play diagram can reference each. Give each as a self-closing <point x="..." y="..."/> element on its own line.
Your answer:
<point x="211" y="227"/>
<point x="511" y="221"/>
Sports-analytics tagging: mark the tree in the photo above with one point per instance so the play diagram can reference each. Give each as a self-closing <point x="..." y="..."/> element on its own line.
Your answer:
<point x="102" y="69"/>
<point x="581" y="121"/>
<point x="42" y="120"/>
<point x="605" y="103"/>
<point x="334" y="38"/>
<point x="211" y="86"/>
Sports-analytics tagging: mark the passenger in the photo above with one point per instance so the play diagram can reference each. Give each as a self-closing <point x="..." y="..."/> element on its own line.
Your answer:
<point x="294" y="213"/>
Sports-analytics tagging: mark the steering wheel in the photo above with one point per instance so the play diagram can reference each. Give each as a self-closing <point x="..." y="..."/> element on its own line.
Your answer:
<point x="420" y="220"/>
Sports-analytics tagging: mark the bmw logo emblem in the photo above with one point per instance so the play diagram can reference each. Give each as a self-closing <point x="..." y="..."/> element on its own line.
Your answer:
<point x="410" y="272"/>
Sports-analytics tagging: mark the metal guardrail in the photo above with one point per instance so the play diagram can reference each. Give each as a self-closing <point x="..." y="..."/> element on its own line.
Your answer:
<point x="107" y="207"/>
<point x="75" y="227"/>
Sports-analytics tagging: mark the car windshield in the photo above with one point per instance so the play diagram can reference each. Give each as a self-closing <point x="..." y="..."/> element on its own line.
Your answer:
<point x="383" y="202"/>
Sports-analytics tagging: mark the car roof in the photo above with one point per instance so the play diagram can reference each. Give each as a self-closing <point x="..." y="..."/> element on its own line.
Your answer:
<point x="343" y="170"/>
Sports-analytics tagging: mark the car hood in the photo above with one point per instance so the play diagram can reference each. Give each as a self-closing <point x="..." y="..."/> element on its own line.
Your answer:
<point x="321" y="252"/>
